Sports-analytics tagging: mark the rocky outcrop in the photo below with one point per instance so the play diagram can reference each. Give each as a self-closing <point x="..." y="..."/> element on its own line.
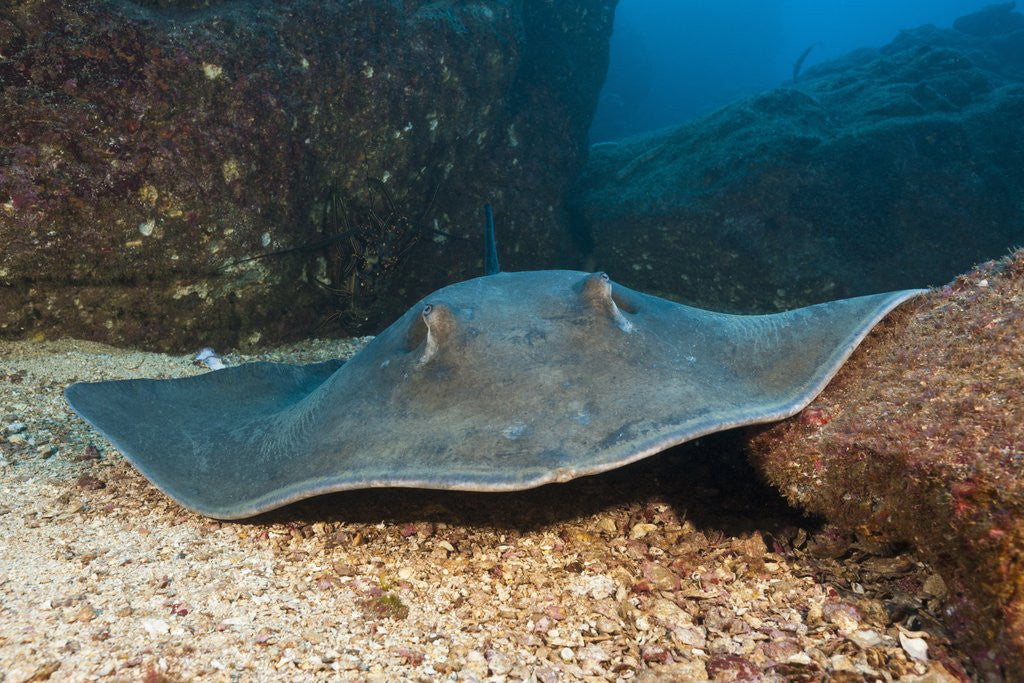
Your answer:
<point x="920" y="440"/>
<point x="993" y="20"/>
<point x="145" y="147"/>
<point x="886" y="169"/>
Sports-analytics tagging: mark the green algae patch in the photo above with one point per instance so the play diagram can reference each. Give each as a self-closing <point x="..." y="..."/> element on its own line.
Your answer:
<point x="386" y="606"/>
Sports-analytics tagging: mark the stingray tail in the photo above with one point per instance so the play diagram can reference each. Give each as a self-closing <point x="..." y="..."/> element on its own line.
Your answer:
<point x="491" y="266"/>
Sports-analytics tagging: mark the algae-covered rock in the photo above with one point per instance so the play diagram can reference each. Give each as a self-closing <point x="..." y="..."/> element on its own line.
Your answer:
<point x="886" y="169"/>
<point x="147" y="146"/>
<point x="992" y="20"/>
<point x="920" y="439"/>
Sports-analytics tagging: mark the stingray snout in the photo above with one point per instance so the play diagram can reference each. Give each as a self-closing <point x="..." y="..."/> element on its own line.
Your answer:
<point x="597" y="292"/>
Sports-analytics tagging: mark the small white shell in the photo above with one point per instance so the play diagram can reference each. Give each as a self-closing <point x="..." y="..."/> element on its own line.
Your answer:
<point x="209" y="358"/>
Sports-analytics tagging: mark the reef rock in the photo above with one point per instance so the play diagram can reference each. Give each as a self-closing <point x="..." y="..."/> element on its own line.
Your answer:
<point x="993" y="20"/>
<point x="150" y="147"/>
<point x="886" y="169"/>
<point x="920" y="439"/>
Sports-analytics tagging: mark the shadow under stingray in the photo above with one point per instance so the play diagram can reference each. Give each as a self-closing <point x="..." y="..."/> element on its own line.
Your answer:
<point x="708" y="481"/>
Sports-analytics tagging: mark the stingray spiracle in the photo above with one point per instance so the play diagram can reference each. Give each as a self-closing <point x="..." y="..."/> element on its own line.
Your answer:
<point x="597" y="293"/>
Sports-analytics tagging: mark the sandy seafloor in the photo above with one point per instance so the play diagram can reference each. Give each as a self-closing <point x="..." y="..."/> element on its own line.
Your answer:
<point x="682" y="567"/>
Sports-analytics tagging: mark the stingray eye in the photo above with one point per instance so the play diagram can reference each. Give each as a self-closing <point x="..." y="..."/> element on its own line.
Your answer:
<point x="604" y="277"/>
<point x="427" y="309"/>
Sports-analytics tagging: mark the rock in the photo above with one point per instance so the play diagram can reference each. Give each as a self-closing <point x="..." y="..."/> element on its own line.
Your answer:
<point x="865" y="638"/>
<point x="499" y="663"/>
<point x="885" y="169"/>
<point x="674" y="671"/>
<point x="781" y="650"/>
<point x="934" y="585"/>
<point x="85" y="614"/>
<point x="689" y="636"/>
<point x="926" y="449"/>
<point x="148" y="146"/>
<point x="475" y="663"/>
<point x="597" y="586"/>
<point x="88" y="482"/>
<point x="669" y="614"/>
<point x="992" y="20"/>
<point x="845" y="617"/>
<point x="732" y="668"/>
<point x="662" y="578"/>
<point x="641" y="530"/>
<point x="156" y="627"/>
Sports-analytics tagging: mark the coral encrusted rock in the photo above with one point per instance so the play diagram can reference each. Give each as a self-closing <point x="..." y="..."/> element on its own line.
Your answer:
<point x="920" y="440"/>
<point x="150" y="149"/>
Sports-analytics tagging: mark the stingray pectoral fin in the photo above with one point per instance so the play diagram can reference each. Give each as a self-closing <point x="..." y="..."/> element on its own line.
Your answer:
<point x="188" y="436"/>
<point x="791" y="356"/>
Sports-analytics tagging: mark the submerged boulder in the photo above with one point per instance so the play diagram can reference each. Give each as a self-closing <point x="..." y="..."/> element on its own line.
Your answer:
<point x="885" y="169"/>
<point x="992" y="20"/>
<point x="149" y="145"/>
<point x="920" y="440"/>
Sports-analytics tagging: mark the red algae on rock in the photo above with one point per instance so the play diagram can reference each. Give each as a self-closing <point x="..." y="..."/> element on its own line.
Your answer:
<point x="925" y="446"/>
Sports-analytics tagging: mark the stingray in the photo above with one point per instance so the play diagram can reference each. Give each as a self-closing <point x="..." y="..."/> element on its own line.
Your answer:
<point x="504" y="382"/>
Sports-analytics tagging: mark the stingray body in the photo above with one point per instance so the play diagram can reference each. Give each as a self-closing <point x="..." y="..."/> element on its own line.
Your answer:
<point x="503" y="382"/>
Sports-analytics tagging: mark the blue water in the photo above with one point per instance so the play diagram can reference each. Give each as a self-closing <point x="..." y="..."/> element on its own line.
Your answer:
<point x="673" y="60"/>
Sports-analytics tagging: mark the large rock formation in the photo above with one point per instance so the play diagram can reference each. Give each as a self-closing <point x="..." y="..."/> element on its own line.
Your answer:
<point x="890" y="168"/>
<point x="920" y="440"/>
<point x="147" y="146"/>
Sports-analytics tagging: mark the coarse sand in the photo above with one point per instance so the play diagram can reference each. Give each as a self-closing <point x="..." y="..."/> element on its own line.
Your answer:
<point x="681" y="567"/>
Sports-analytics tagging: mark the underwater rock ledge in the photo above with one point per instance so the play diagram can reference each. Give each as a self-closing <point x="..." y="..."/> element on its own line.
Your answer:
<point x="147" y="145"/>
<point x="884" y="169"/>
<point x="920" y="439"/>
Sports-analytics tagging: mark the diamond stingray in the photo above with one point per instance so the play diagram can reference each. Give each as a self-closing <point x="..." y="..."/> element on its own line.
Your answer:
<point x="503" y="382"/>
